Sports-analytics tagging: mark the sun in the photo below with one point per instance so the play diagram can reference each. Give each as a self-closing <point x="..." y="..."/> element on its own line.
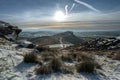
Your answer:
<point x="59" y="16"/>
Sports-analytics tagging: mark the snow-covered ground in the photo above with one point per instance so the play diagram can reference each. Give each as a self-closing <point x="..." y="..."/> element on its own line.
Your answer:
<point x="12" y="67"/>
<point x="111" y="68"/>
<point x="59" y="45"/>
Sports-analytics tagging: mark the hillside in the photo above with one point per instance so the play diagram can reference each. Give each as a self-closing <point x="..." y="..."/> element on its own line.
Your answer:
<point x="30" y="34"/>
<point x="13" y="67"/>
<point x="98" y="59"/>
<point x="66" y="38"/>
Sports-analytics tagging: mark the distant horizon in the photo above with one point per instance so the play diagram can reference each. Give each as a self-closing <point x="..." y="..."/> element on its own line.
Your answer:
<point x="28" y="29"/>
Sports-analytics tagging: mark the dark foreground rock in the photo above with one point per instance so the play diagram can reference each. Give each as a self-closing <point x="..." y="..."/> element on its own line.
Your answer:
<point x="9" y="31"/>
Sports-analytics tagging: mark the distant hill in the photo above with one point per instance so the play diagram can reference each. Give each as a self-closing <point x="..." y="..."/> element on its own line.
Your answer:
<point x="29" y="35"/>
<point x="66" y="38"/>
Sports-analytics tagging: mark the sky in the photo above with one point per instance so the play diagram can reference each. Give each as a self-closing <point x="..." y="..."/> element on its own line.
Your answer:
<point x="74" y="13"/>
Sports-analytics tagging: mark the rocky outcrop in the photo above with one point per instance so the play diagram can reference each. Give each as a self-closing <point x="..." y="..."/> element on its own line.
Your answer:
<point x="26" y="44"/>
<point x="102" y="44"/>
<point x="9" y="31"/>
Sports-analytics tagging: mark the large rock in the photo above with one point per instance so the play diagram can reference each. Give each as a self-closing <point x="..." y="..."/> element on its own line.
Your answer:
<point x="103" y="44"/>
<point x="26" y="44"/>
<point x="9" y="31"/>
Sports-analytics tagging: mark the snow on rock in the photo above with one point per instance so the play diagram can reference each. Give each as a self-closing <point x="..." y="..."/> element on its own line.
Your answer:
<point x="26" y="44"/>
<point x="118" y="37"/>
<point x="9" y="31"/>
<point x="111" y="68"/>
<point x="103" y="44"/>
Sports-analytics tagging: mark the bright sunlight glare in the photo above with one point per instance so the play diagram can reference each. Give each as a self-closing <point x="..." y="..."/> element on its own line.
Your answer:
<point x="59" y="16"/>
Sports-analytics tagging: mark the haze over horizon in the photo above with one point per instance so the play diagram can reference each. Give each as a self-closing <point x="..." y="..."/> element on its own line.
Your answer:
<point x="90" y="14"/>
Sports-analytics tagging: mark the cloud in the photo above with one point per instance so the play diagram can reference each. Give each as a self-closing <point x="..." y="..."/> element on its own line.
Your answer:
<point x="73" y="5"/>
<point x="87" y="5"/>
<point x="66" y="9"/>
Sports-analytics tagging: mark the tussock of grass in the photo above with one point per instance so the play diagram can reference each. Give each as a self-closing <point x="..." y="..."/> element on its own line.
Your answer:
<point x="116" y="57"/>
<point x="47" y="58"/>
<point x="40" y="49"/>
<point x="30" y="58"/>
<point x="55" y="64"/>
<point x="97" y="66"/>
<point x="87" y="63"/>
<point x="67" y="58"/>
<point x="43" y="70"/>
<point x="68" y="69"/>
<point x="47" y="55"/>
<point x="74" y="55"/>
<point x="86" y="57"/>
<point x="85" y="66"/>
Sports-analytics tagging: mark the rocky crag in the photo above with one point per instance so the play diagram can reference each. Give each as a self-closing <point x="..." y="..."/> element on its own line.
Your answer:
<point x="9" y="31"/>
